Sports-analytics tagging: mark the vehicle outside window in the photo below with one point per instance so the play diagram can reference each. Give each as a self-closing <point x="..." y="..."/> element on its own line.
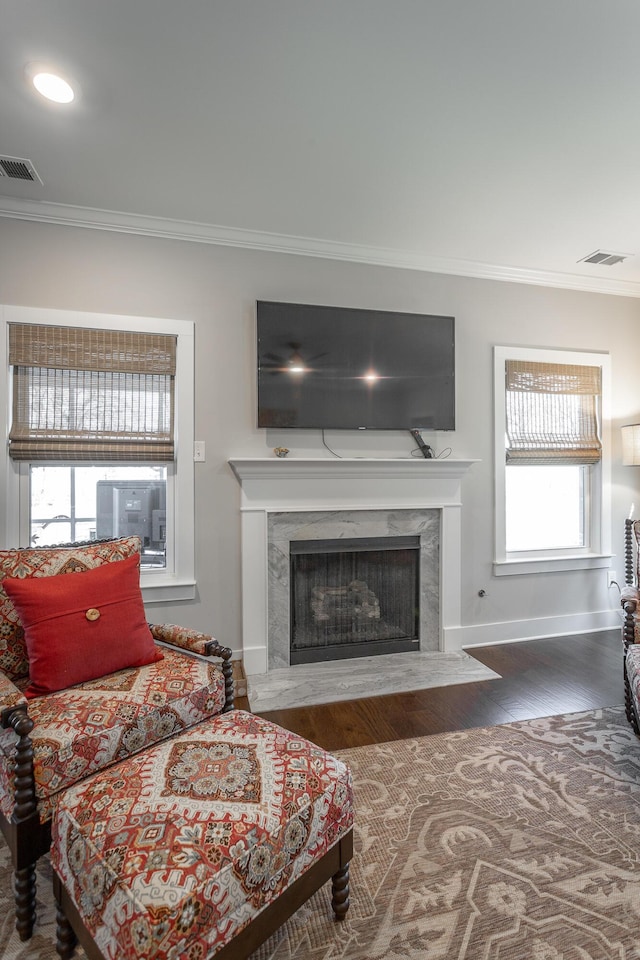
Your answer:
<point x="69" y="503"/>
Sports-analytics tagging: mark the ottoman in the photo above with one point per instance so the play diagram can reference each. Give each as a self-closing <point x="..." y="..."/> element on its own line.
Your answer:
<point x="202" y="845"/>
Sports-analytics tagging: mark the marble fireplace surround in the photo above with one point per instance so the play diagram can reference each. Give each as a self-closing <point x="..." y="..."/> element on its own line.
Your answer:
<point x="355" y="496"/>
<point x="348" y="524"/>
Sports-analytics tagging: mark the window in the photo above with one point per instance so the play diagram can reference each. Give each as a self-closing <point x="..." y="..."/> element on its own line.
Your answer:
<point x="69" y="503"/>
<point x="101" y="436"/>
<point x="545" y="508"/>
<point x="551" y="461"/>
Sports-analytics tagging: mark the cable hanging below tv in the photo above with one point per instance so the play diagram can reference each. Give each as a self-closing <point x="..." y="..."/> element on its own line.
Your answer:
<point x="341" y="368"/>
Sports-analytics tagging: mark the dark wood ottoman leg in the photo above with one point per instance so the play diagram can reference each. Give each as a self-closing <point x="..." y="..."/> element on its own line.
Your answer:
<point x="70" y="930"/>
<point x="340" y="892"/>
<point x="66" y="939"/>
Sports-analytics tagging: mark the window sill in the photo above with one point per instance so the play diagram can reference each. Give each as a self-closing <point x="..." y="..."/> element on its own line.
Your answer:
<point x="590" y="561"/>
<point x="159" y="589"/>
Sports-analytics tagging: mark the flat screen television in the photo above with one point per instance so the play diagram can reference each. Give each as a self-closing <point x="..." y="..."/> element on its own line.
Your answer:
<point x="351" y="369"/>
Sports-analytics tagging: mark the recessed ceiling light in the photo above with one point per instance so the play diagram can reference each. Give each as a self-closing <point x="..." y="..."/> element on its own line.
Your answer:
<point x="48" y="82"/>
<point x="53" y="87"/>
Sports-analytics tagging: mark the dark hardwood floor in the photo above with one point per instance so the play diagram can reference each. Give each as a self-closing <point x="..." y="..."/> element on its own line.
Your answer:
<point x="537" y="678"/>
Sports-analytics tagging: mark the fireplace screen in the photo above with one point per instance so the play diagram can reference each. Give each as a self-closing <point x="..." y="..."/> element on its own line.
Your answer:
<point x="354" y="598"/>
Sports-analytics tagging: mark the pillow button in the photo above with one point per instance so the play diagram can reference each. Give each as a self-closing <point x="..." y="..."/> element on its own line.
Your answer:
<point x="92" y="614"/>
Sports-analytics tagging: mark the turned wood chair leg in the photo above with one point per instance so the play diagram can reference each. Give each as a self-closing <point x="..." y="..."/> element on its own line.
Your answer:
<point x="340" y="893"/>
<point x="66" y="939"/>
<point x="24" y="888"/>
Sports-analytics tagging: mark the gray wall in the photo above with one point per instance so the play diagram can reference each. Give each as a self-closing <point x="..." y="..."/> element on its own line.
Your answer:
<point x="216" y="287"/>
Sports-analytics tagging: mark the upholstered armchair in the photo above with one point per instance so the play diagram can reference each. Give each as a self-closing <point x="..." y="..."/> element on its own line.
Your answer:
<point x="71" y="705"/>
<point x="630" y="599"/>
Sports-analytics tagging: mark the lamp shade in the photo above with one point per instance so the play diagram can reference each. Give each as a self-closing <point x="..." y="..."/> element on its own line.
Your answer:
<point x="631" y="445"/>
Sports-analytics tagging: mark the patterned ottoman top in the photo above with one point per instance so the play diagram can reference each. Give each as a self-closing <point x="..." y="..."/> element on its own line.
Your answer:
<point x="179" y="847"/>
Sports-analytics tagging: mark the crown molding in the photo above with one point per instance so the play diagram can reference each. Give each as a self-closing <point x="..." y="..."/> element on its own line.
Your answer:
<point x="187" y="230"/>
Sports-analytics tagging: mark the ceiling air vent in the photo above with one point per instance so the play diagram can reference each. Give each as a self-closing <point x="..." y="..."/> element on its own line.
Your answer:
<point x="605" y="259"/>
<point x="16" y="169"/>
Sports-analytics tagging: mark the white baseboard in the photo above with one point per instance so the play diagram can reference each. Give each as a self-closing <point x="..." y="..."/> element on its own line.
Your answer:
<point x="254" y="660"/>
<point x="483" y="634"/>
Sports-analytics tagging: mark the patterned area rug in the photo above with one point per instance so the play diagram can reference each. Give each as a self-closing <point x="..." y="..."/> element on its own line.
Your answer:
<point x="517" y="842"/>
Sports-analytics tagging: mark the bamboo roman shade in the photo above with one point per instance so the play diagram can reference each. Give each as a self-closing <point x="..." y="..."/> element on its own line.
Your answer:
<point x="552" y="413"/>
<point x="81" y="394"/>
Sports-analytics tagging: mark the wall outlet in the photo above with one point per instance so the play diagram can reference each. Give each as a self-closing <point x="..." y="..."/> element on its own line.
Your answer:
<point x="198" y="451"/>
<point x="611" y="577"/>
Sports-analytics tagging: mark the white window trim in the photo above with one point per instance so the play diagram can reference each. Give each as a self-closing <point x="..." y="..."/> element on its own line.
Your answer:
<point x="177" y="581"/>
<point x="598" y="553"/>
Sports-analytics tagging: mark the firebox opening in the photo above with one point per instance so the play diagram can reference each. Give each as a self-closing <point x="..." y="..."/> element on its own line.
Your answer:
<point x="354" y="598"/>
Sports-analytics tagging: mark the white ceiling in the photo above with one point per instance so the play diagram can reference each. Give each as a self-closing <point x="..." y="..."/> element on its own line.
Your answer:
<point x="481" y="137"/>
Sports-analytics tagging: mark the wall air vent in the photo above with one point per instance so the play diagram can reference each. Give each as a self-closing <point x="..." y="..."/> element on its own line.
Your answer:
<point x="16" y="169"/>
<point x="605" y="259"/>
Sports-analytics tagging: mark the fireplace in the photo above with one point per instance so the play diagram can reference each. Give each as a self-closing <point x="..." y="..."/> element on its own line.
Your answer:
<point x="295" y="499"/>
<point x="353" y="597"/>
<point x="357" y="531"/>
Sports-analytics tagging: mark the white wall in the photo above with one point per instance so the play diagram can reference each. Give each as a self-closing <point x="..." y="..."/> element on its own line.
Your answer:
<point x="86" y="269"/>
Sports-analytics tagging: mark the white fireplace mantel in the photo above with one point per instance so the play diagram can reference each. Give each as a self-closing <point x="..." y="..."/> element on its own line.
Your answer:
<point x="275" y="484"/>
<point x="279" y="483"/>
<point x="263" y="468"/>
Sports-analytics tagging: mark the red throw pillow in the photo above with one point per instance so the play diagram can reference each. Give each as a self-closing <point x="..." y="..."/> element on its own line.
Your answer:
<point x="47" y="562"/>
<point x="82" y="626"/>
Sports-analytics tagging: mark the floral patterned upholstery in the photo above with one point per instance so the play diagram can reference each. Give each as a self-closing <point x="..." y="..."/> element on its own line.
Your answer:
<point x="87" y="727"/>
<point x="181" y="637"/>
<point x="630" y="601"/>
<point x="172" y="854"/>
<point x="632" y="670"/>
<point x="10" y="695"/>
